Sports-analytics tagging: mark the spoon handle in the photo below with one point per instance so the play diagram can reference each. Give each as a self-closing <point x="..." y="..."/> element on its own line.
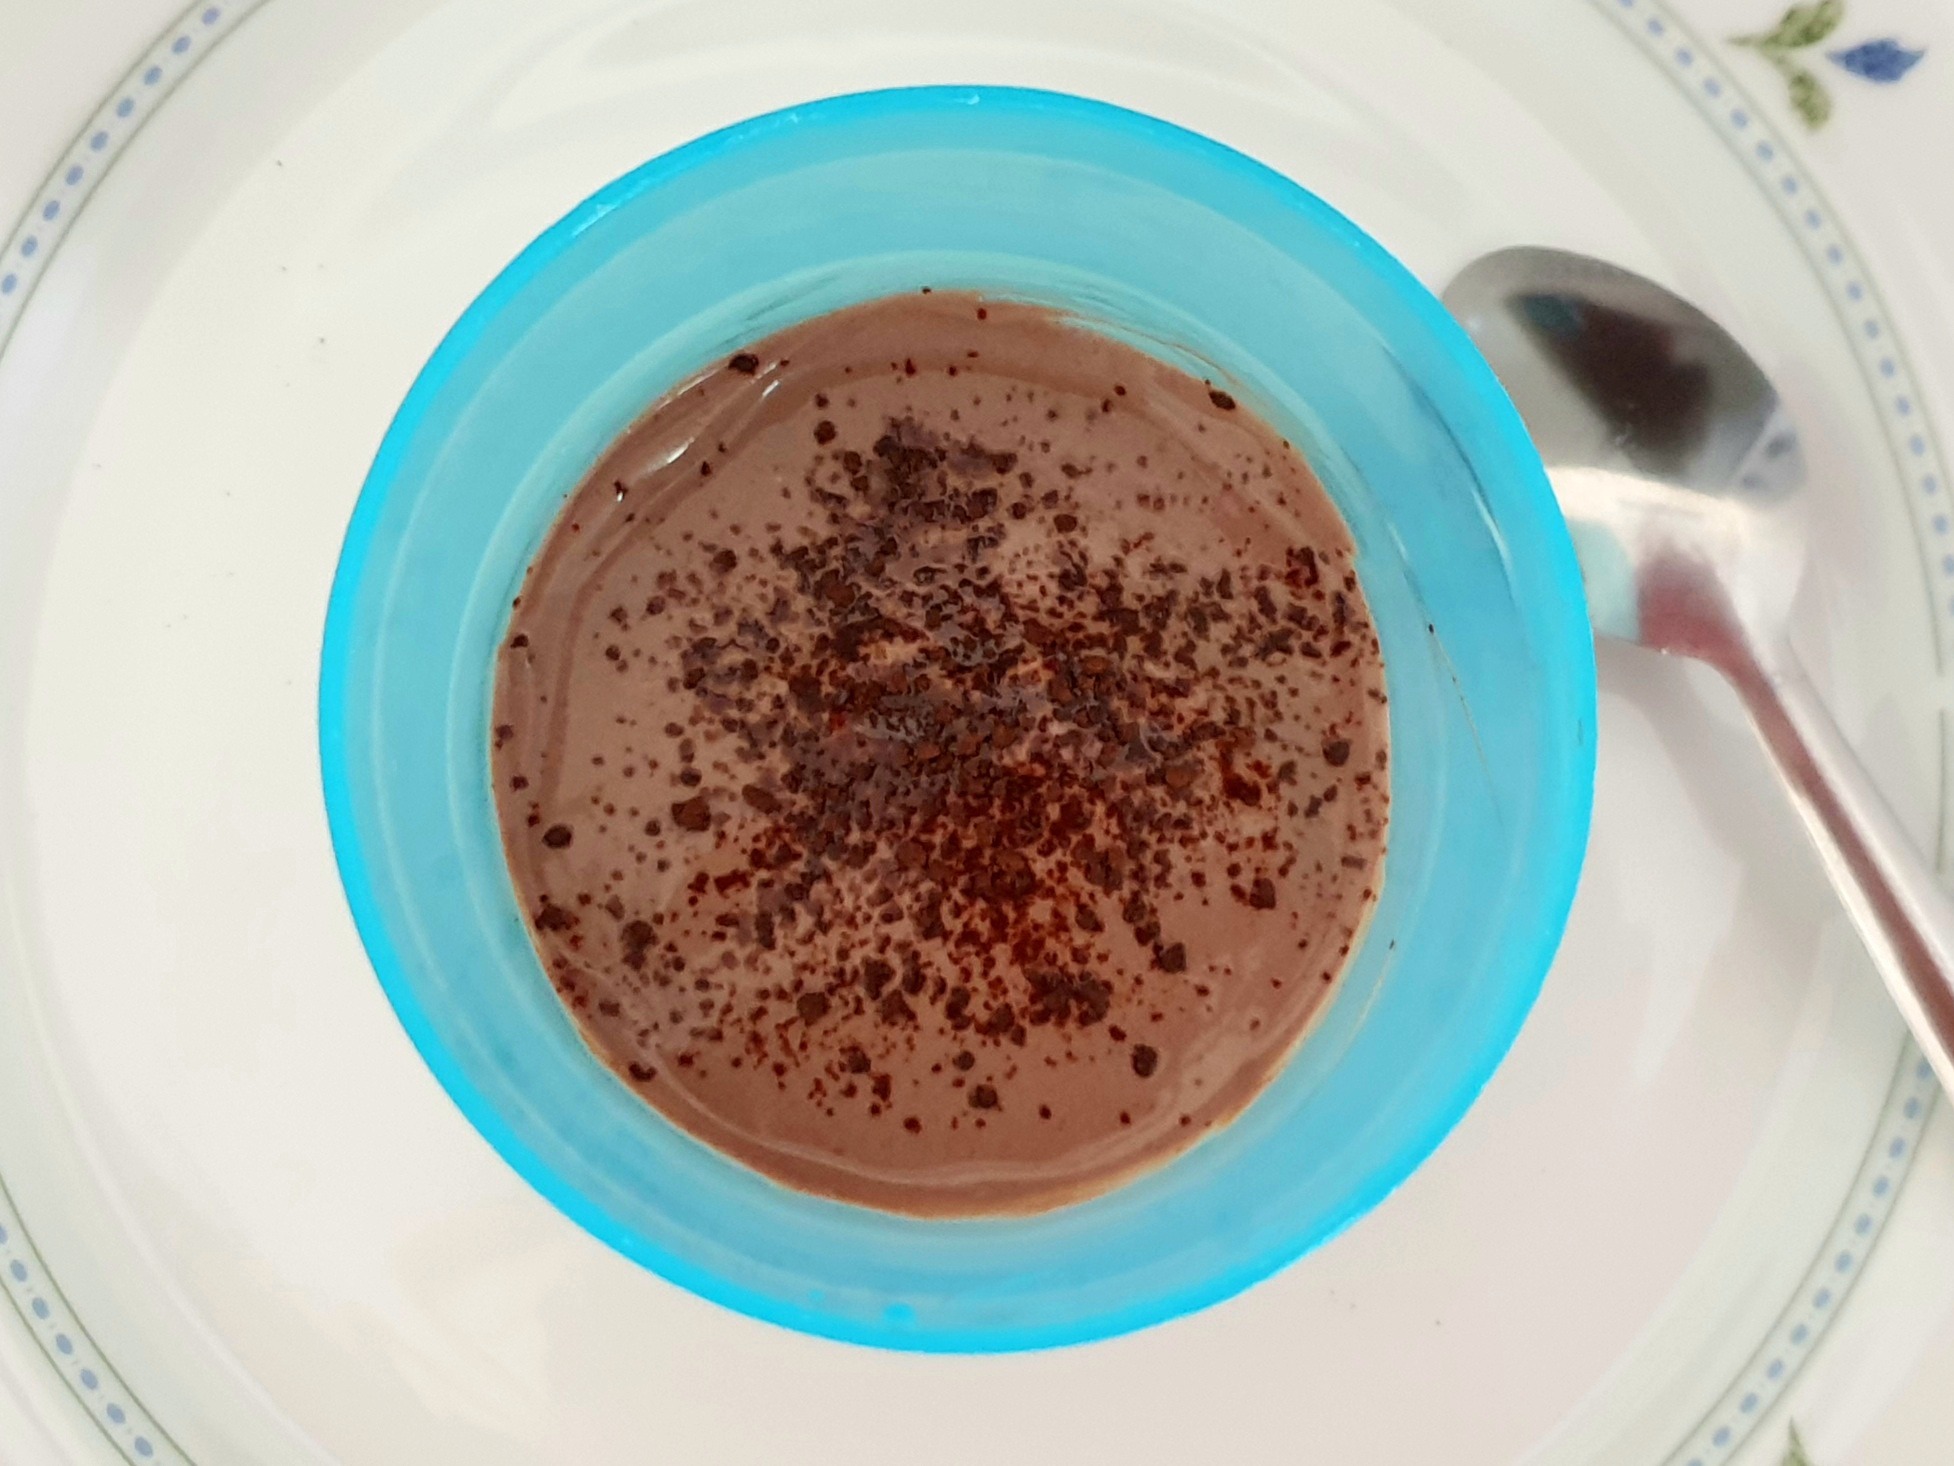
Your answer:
<point x="1904" y="917"/>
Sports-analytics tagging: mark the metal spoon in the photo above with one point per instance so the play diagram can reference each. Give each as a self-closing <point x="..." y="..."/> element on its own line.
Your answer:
<point x="1678" y="471"/>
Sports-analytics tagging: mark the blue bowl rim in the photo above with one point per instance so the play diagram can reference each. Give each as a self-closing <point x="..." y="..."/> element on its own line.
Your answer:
<point x="1567" y="648"/>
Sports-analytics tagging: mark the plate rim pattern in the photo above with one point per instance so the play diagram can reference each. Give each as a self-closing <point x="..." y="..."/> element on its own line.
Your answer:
<point x="1663" y="38"/>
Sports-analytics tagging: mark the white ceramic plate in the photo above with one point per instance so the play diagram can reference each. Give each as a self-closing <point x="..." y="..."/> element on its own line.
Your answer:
<point x="242" y="1223"/>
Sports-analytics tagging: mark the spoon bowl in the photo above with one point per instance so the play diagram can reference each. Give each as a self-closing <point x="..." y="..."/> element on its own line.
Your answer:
<point x="1667" y="444"/>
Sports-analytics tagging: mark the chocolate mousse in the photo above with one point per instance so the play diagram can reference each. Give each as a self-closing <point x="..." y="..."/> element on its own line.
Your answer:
<point x="941" y="755"/>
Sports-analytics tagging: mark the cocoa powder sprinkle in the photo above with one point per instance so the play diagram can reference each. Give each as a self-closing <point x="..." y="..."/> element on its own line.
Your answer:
<point x="950" y="777"/>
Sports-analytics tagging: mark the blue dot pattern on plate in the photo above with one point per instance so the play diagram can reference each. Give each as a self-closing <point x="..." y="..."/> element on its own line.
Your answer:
<point x="43" y="224"/>
<point x="1800" y="204"/>
<point x="53" y="209"/>
<point x="70" y="183"/>
<point x="97" y="1387"/>
<point x="1734" y="1418"/>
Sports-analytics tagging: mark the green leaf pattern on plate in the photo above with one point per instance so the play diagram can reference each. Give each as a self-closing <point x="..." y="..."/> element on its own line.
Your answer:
<point x="1800" y="27"/>
<point x="1794" y="1454"/>
<point x="1809" y="99"/>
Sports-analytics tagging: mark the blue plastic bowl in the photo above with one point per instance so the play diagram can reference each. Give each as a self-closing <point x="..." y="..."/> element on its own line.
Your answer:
<point x="1144" y="230"/>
